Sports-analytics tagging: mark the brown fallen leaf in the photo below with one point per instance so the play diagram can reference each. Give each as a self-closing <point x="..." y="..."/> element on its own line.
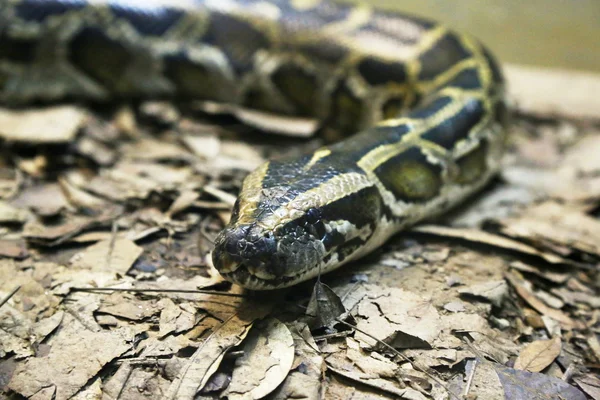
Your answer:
<point x="536" y="356"/>
<point x="590" y="384"/>
<point x="494" y="291"/>
<point x="267" y="360"/>
<point x="207" y="358"/>
<point x="524" y="385"/>
<point x="57" y="124"/>
<point x="324" y="306"/>
<point x="16" y="249"/>
<point x="75" y="355"/>
<point x="479" y="236"/>
<point x="557" y="227"/>
<point x="108" y="256"/>
<point x="305" y="380"/>
<point x="12" y="215"/>
<point x="45" y="200"/>
<point x="516" y="280"/>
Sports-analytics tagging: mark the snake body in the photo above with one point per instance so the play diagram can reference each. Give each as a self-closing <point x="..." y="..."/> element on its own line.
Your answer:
<point x="428" y="104"/>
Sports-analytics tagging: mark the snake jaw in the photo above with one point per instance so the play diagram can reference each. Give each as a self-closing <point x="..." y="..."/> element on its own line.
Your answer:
<point x="258" y="258"/>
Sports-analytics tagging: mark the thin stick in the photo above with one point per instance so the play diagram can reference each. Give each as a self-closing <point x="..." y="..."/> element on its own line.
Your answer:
<point x="111" y="247"/>
<point x="470" y="380"/>
<point x="137" y="290"/>
<point x="10" y="295"/>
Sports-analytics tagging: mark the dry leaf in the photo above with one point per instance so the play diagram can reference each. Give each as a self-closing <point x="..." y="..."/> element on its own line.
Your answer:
<point x="560" y="228"/>
<point x="305" y="380"/>
<point x="46" y="200"/>
<point x="12" y="215"/>
<point x="494" y="291"/>
<point x="75" y="355"/>
<point x="58" y="124"/>
<point x="536" y="356"/>
<point x="267" y="360"/>
<point x="206" y="360"/>
<point x="478" y="236"/>
<point x="523" y="385"/>
<point x="115" y="256"/>
<point x="385" y="312"/>
<point x="324" y="306"/>
<point x="516" y="280"/>
<point x="590" y="384"/>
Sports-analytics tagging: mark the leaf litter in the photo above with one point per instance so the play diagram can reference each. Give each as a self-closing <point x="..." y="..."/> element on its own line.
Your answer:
<point x="106" y="272"/>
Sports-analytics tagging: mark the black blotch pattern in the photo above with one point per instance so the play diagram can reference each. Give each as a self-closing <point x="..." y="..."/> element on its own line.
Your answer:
<point x="195" y="80"/>
<point x="429" y="109"/>
<point x="16" y="50"/>
<point x="154" y="21"/>
<point x="466" y="79"/>
<point x="360" y="208"/>
<point x="36" y="10"/>
<point x="99" y="56"/>
<point x="446" y="52"/>
<point x="377" y="72"/>
<point x="393" y="107"/>
<point x="346" y="111"/>
<point x="298" y="86"/>
<point x="238" y="39"/>
<point x="324" y="51"/>
<point x="494" y="66"/>
<point x="456" y="127"/>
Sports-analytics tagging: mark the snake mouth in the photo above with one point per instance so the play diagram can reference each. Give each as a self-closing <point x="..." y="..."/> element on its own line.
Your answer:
<point x="246" y="277"/>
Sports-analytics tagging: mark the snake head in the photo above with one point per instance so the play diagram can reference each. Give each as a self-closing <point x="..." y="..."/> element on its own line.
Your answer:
<point x="283" y="233"/>
<point x="267" y="254"/>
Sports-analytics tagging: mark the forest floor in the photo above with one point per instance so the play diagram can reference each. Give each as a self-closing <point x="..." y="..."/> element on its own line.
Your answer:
<point x="107" y="291"/>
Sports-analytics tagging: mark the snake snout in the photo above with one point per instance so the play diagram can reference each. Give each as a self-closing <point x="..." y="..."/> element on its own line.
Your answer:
<point x="245" y="246"/>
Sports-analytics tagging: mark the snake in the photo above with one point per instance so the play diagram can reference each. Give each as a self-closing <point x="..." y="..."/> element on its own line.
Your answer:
<point x="425" y="104"/>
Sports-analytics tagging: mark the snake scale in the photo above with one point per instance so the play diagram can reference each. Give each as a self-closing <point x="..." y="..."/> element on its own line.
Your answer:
<point x="428" y="104"/>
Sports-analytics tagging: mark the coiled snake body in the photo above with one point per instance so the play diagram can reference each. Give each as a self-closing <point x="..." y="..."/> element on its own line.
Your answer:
<point x="428" y="103"/>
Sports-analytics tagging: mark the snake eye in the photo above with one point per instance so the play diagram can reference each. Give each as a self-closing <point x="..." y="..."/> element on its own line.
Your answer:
<point x="313" y="216"/>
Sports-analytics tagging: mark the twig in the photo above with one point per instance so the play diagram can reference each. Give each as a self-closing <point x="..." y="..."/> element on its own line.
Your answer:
<point x="470" y="379"/>
<point x="111" y="247"/>
<point x="137" y="290"/>
<point x="415" y="365"/>
<point x="10" y="295"/>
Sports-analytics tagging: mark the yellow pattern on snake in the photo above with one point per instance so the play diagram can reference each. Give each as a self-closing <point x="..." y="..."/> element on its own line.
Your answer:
<point x="428" y="104"/>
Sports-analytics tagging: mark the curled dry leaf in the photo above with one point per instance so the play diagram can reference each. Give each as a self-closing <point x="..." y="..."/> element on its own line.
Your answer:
<point x="324" y="306"/>
<point x="538" y="355"/>
<point x="267" y="360"/>
<point x="206" y="360"/>
<point x="516" y="280"/>
<point x="305" y="380"/>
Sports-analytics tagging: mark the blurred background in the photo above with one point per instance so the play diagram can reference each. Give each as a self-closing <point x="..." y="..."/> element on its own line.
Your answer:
<point x="549" y="33"/>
